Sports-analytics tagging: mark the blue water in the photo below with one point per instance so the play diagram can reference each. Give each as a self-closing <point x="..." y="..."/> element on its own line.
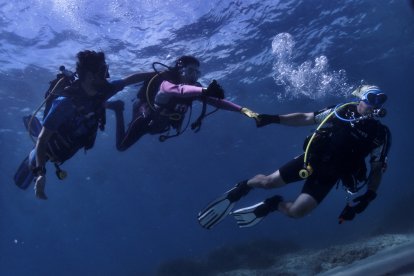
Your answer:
<point x="127" y="213"/>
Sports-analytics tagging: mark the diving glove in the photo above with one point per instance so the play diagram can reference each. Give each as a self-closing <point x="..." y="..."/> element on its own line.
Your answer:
<point x="214" y="90"/>
<point x="349" y="212"/>
<point x="266" y="119"/>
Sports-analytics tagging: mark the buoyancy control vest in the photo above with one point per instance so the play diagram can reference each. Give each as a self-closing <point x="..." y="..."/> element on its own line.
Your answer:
<point x="81" y="130"/>
<point x="343" y="146"/>
<point x="63" y="79"/>
<point x="170" y="114"/>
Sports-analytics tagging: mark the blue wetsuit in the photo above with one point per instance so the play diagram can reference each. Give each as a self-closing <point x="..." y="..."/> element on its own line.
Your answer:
<point x="75" y="121"/>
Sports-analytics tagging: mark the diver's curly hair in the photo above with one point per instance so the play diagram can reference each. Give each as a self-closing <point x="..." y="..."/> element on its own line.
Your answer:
<point x="186" y="60"/>
<point x="89" y="61"/>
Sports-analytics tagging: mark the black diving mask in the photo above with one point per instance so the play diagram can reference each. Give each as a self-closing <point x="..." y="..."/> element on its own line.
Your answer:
<point x="374" y="98"/>
<point x="190" y="74"/>
<point x="103" y="71"/>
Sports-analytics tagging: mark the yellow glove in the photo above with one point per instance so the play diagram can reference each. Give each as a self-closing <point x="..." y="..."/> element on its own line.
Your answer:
<point x="249" y="113"/>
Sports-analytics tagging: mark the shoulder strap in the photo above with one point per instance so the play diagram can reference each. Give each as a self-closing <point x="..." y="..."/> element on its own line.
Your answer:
<point x="387" y="143"/>
<point x="58" y="87"/>
<point x="196" y="125"/>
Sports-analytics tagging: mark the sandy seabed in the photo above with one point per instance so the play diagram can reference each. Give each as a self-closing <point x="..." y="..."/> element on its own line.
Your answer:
<point x="391" y="254"/>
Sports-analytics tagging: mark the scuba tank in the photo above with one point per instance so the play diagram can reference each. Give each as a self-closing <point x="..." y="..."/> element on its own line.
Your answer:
<point x="63" y="79"/>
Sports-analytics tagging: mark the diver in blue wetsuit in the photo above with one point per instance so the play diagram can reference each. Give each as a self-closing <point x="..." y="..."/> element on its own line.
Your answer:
<point x="346" y="135"/>
<point x="72" y="121"/>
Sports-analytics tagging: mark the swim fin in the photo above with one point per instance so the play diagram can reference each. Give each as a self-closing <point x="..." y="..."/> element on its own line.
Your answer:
<point x="35" y="125"/>
<point x="252" y="215"/>
<point x="24" y="175"/>
<point x="218" y="209"/>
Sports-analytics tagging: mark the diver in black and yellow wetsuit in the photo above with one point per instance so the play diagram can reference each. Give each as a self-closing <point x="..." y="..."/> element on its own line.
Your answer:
<point x="347" y="134"/>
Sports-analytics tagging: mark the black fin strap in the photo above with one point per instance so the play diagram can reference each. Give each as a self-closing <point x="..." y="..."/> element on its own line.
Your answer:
<point x="240" y="190"/>
<point x="270" y="204"/>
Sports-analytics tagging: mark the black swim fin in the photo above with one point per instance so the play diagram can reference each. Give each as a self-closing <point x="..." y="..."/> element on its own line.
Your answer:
<point x="24" y="175"/>
<point x="218" y="209"/>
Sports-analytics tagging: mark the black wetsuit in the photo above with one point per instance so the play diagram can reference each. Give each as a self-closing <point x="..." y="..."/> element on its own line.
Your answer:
<point x="338" y="152"/>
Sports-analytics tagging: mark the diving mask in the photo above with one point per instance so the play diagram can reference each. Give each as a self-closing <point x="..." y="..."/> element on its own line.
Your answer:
<point x="371" y="95"/>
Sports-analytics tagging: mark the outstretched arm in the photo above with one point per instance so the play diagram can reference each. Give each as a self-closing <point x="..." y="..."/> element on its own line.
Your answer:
<point x="137" y="77"/>
<point x="199" y="93"/>
<point x="180" y="90"/>
<point x="292" y="119"/>
<point x="298" y="119"/>
<point x="223" y="104"/>
<point x="119" y="85"/>
<point x="196" y="92"/>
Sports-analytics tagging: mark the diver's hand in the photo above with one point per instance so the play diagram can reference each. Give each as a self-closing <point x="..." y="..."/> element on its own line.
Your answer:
<point x="348" y="213"/>
<point x="40" y="187"/>
<point x="266" y="119"/>
<point x="214" y="90"/>
<point x="364" y="200"/>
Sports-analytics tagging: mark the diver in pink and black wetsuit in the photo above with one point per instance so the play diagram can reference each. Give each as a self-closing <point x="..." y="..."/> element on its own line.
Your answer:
<point x="163" y="100"/>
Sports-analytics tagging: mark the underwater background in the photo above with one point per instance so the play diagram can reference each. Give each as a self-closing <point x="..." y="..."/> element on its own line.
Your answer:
<point x="134" y="212"/>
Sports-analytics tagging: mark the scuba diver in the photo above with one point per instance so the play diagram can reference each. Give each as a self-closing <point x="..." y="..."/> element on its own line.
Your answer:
<point x="73" y="113"/>
<point x="163" y="101"/>
<point x="336" y="151"/>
